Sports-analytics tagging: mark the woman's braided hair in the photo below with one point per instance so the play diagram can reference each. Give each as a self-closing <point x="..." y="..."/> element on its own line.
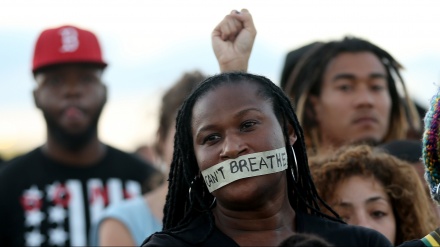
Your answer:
<point x="180" y="209"/>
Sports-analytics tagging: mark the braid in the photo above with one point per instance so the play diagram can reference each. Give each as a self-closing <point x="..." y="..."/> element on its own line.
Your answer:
<point x="305" y="198"/>
<point x="180" y="210"/>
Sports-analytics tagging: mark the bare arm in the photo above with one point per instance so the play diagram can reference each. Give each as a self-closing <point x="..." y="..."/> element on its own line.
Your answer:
<point x="232" y="41"/>
<point x="113" y="233"/>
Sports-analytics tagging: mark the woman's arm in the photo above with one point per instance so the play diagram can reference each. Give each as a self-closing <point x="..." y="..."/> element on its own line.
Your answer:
<point x="113" y="232"/>
<point x="232" y="41"/>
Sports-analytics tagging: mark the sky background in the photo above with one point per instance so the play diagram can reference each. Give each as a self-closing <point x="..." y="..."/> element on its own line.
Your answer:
<point x="149" y="44"/>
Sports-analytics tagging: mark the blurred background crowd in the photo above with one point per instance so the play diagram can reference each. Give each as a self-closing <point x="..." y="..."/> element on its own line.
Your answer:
<point x="148" y="44"/>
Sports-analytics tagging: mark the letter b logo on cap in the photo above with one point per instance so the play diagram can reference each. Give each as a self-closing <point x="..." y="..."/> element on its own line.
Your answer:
<point x="69" y="39"/>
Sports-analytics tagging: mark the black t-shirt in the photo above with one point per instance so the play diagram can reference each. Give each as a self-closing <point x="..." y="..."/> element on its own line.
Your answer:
<point x="335" y="233"/>
<point x="44" y="202"/>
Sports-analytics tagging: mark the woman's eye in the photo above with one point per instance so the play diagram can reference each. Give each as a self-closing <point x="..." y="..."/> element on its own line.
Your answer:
<point x="378" y="214"/>
<point x="211" y="138"/>
<point x="247" y="125"/>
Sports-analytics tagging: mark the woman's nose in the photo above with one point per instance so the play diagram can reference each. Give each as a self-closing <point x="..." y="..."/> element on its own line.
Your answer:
<point x="232" y="148"/>
<point x="361" y="219"/>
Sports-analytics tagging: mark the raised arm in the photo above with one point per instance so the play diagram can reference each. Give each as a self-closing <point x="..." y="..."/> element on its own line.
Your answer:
<point x="232" y="41"/>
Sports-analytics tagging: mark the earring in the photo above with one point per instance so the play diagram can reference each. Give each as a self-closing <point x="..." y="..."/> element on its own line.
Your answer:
<point x="189" y="193"/>
<point x="296" y="164"/>
<point x="213" y="202"/>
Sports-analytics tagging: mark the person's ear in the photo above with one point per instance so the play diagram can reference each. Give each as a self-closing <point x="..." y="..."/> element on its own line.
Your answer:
<point x="105" y="93"/>
<point x="36" y="99"/>
<point x="292" y="135"/>
<point x="315" y="111"/>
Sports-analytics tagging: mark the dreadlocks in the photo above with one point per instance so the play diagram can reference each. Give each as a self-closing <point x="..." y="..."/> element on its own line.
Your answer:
<point x="181" y="208"/>
<point x="305" y="79"/>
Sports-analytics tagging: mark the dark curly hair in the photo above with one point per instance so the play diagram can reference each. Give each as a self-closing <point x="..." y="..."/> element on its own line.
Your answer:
<point x="414" y="216"/>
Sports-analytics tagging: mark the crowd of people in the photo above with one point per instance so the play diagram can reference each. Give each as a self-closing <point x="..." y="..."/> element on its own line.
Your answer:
<point x="336" y="154"/>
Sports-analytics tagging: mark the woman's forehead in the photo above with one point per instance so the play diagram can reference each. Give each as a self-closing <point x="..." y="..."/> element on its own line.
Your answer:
<point x="243" y="87"/>
<point x="226" y="102"/>
<point x="231" y="86"/>
<point x="227" y="96"/>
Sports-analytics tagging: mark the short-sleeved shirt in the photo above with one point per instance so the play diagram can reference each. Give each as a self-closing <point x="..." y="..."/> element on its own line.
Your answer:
<point x="45" y="202"/>
<point x="136" y="217"/>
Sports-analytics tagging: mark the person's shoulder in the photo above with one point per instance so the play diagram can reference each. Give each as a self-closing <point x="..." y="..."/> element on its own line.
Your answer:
<point x="199" y="232"/>
<point x="163" y="239"/>
<point x="188" y="236"/>
<point x="18" y="163"/>
<point x="130" y="163"/>
<point x="126" y="206"/>
<point x="341" y="234"/>
<point x="365" y="235"/>
<point x="24" y="158"/>
<point x="111" y="150"/>
<point x="431" y="239"/>
<point x="119" y="155"/>
<point x="414" y="243"/>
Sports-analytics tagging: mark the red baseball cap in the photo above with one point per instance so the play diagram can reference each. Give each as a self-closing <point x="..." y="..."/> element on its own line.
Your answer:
<point x="66" y="44"/>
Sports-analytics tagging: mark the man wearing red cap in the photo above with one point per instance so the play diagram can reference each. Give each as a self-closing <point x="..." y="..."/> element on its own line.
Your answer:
<point x="50" y="195"/>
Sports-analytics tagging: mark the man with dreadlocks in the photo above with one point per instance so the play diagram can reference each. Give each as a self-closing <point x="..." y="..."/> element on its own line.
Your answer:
<point x="240" y="175"/>
<point x="344" y="91"/>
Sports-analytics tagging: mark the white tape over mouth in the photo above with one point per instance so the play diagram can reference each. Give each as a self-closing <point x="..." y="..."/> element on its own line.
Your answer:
<point x="245" y="166"/>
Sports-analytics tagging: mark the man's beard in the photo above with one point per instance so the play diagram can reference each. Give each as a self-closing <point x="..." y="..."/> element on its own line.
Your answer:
<point x="72" y="141"/>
